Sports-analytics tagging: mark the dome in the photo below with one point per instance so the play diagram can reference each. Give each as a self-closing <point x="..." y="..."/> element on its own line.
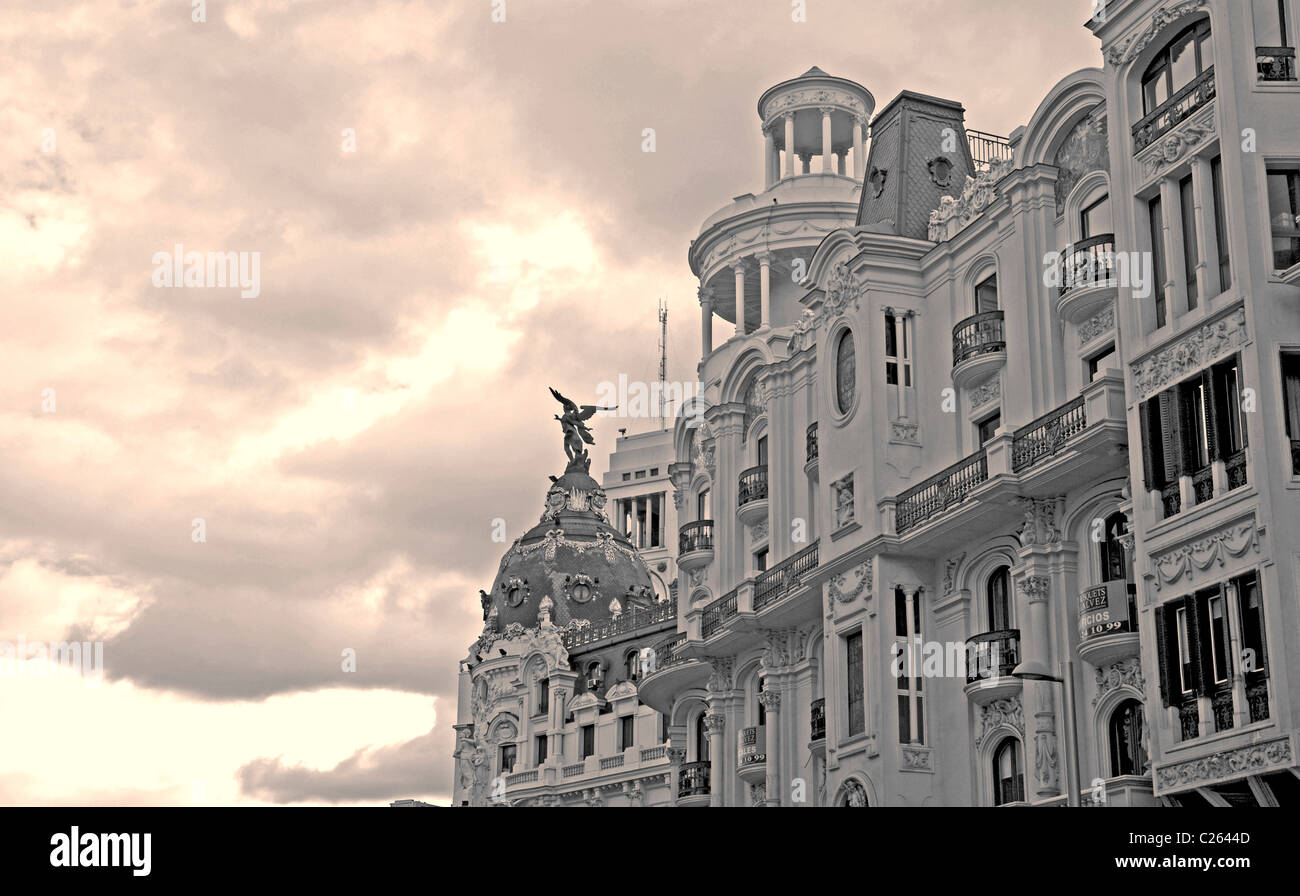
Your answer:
<point x="573" y="567"/>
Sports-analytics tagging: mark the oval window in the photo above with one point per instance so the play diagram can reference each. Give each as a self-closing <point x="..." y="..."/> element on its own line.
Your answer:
<point x="581" y="592"/>
<point x="845" y="372"/>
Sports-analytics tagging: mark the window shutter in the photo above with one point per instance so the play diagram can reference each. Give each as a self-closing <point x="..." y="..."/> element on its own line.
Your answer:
<point x="1148" y="445"/>
<point x="1171" y="432"/>
<point x="1163" y="640"/>
<point x="1213" y="442"/>
<point x="1198" y="641"/>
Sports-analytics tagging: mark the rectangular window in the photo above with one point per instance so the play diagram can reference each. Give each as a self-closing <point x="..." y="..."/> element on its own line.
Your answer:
<point x="988" y="427"/>
<point x="909" y="686"/>
<point x="627" y="477"/>
<point x="986" y="295"/>
<point x="1291" y="398"/>
<point x="1191" y="254"/>
<point x="760" y="560"/>
<point x="640" y="474"/>
<point x="1230" y="433"/>
<point x="543" y="695"/>
<point x="762" y="451"/>
<point x="1219" y="638"/>
<point x="1270" y="23"/>
<point x="702" y="505"/>
<point x="508" y="758"/>
<point x="856" y="689"/>
<point x="898" y="358"/>
<point x="1104" y="360"/>
<point x="656" y="501"/>
<point x="1284" y="216"/>
<point x="1221" y="224"/>
<point x="1095" y="220"/>
<point x="1185" y="657"/>
<point x="626" y="732"/>
<point x="1254" y="662"/>
<point x="654" y="471"/>
<point x="588" y="741"/>
<point x="1156" y="220"/>
<point x="540" y="748"/>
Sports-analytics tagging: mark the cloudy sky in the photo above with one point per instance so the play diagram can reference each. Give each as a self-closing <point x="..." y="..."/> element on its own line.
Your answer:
<point x="347" y="436"/>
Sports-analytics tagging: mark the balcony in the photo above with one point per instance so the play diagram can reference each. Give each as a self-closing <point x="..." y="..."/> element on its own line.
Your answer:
<point x="990" y="660"/>
<point x="670" y="672"/>
<point x="927" y="500"/>
<point x="986" y="149"/>
<point x="810" y="462"/>
<point x="783" y="578"/>
<point x="1174" y="110"/>
<point x="979" y="347"/>
<point x="1107" y="635"/>
<point x="716" y="613"/>
<point x="1088" y="278"/>
<point x="751" y="495"/>
<point x="695" y="545"/>
<point x="1047" y="435"/>
<point x="1214" y="480"/>
<point x="693" y="784"/>
<point x="751" y="753"/>
<point x="818" y="714"/>
<point x="626" y="624"/>
<point x="1275" y="64"/>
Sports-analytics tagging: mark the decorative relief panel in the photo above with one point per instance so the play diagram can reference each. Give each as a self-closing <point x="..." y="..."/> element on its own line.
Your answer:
<point x="1174" y="146"/>
<point x="1127" y="671"/>
<point x="846" y="586"/>
<point x="1098" y="325"/>
<point x="1197" y="349"/>
<point x="1212" y="550"/>
<point x="954" y="213"/>
<point x="986" y="392"/>
<point x="1127" y="50"/>
<point x="1204" y="770"/>
<point x="842" y="501"/>
<point x="1000" y="712"/>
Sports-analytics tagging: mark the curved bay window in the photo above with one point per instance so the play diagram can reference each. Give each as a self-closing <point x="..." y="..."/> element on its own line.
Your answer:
<point x="1184" y="59"/>
<point x="845" y="372"/>
<point x="1008" y="773"/>
<point x="999" y="599"/>
<point x="1128" y="752"/>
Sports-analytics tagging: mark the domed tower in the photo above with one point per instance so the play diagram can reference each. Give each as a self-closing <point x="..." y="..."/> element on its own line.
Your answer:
<point x="748" y="253"/>
<point x="570" y="609"/>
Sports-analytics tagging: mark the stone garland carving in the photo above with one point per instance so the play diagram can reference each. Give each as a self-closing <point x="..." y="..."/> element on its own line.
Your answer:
<point x="1195" y="350"/>
<point x="954" y="213"/>
<point x="1204" y="770"/>
<point x="986" y="392"/>
<point x="1127" y="671"/>
<point x="950" y="574"/>
<point x="1007" y="712"/>
<point x="842" y="492"/>
<point x="841" y="590"/>
<point x="1039" y="527"/>
<point x="1230" y="541"/>
<point x="1128" y="50"/>
<point x="809" y="98"/>
<point x="1178" y="143"/>
<point x="918" y="759"/>
<point x="1101" y="322"/>
<point x="558" y="500"/>
<point x="1045" y="758"/>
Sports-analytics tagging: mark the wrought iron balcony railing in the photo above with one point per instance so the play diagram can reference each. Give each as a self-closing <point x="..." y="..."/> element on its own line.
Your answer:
<point x="1189" y="718"/>
<point x="1203" y="484"/>
<point x="1090" y="262"/>
<point x="812" y="442"/>
<point x="1178" y="107"/>
<point x="1275" y="63"/>
<point x="992" y="655"/>
<point x="1257" y="699"/>
<point x="985" y="149"/>
<point x="628" y="622"/>
<point x="1171" y="500"/>
<point x="693" y="780"/>
<point x="941" y="491"/>
<point x="1047" y="435"/>
<point x="1235" y="465"/>
<point x="818" y="711"/>
<point x="787" y="575"/>
<point x="979" y="334"/>
<point x="696" y="536"/>
<point x="716" y="613"/>
<point x="753" y="486"/>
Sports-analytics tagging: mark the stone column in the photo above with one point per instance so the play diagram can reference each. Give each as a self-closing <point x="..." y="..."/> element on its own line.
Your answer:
<point x="771" y="701"/>
<point x="859" y="153"/>
<point x="827" y="162"/>
<point x="769" y="144"/>
<point x="909" y="597"/>
<point x="840" y="162"/>
<point x="740" y="296"/>
<point x="1207" y="273"/>
<point x="716" y="723"/>
<point x="789" y="144"/>
<point x="1042" y="752"/>
<point x="1173" y="268"/>
<point x="765" y="289"/>
<point x="706" y="321"/>
<point x="675" y="760"/>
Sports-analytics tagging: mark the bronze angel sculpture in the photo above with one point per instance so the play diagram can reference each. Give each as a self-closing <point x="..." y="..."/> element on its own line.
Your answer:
<point x="574" y="424"/>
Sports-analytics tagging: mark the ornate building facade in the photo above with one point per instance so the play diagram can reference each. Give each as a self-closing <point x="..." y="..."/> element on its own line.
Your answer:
<point x="999" y="469"/>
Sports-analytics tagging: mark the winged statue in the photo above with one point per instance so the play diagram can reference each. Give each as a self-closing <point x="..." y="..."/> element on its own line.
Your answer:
<point x="574" y="424"/>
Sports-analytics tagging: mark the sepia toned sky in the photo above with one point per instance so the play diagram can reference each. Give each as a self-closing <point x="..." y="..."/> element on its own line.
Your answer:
<point x="348" y="436"/>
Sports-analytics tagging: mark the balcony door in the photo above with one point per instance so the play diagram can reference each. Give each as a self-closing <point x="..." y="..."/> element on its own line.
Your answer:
<point x="999" y="600"/>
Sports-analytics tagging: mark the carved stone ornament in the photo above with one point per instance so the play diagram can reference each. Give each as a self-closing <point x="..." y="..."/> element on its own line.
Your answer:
<point x="1045" y="758"/>
<point x="1252" y="759"/>
<point x="1177" y="144"/>
<point x="1212" y="550"/>
<point x="842" y="501"/>
<point x="516" y="591"/>
<point x="720" y="677"/>
<point x="771" y="701"/>
<point x="1100" y="323"/>
<point x="775" y="652"/>
<point x="1039" y="527"/>
<point x="950" y="573"/>
<point x="904" y="430"/>
<point x="1127" y="50"/>
<point x="954" y="213"/>
<point x="715" y="722"/>
<point x="877" y="179"/>
<point x="805" y="331"/>
<point x="1197" y="349"/>
<point x="1036" y="588"/>
<point x="842" y="291"/>
<point x="758" y="532"/>
<point x="581" y="588"/>
<point x="1006" y="712"/>
<point x="1126" y="672"/>
<point x="917" y="759"/>
<point x="986" y="392"/>
<point x="940" y="168"/>
<point x="846" y="586"/>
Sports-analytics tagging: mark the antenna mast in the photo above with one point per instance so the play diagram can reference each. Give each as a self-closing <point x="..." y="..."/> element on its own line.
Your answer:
<point x="663" y="363"/>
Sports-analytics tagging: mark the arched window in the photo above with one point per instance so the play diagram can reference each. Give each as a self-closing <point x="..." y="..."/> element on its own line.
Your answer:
<point x="594" y="676"/>
<point x="1008" y="773"/>
<point x="1128" y="752"/>
<point x="846" y="371"/>
<point x="701" y="739"/>
<point x="1182" y="61"/>
<point x="986" y="294"/>
<point x="853" y="794"/>
<point x="632" y="665"/>
<point x="999" y="599"/>
<point x="1116" y="564"/>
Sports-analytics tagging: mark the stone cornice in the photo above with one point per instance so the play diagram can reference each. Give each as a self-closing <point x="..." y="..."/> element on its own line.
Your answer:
<point x="1224" y="765"/>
